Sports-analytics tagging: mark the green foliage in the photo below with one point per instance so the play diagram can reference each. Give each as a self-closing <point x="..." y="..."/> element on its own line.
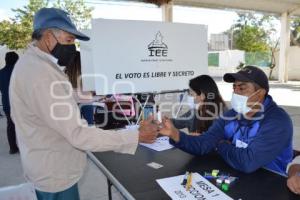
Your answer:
<point x="295" y="31"/>
<point x="253" y="32"/>
<point x="256" y="35"/>
<point x="16" y="33"/>
<point x="80" y="13"/>
<point x="250" y="38"/>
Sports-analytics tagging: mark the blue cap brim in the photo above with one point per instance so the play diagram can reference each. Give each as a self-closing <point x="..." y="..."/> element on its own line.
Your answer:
<point x="77" y="34"/>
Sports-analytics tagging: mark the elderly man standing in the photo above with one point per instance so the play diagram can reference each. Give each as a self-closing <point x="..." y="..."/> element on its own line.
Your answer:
<point x="52" y="137"/>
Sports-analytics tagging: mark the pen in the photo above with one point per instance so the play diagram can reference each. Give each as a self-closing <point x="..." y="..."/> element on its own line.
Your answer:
<point x="189" y="182"/>
<point x="185" y="178"/>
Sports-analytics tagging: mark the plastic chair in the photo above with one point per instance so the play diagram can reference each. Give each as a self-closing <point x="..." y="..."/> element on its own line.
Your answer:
<point x="24" y="191"/>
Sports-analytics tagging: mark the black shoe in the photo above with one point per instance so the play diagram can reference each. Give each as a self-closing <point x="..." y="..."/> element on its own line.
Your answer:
<point x="13" y="151"/>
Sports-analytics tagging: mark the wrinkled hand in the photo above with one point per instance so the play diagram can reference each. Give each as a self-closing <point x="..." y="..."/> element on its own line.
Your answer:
<point x="148" y="130"/>
<point x="167" y="128"/>
<point x="293" y="184"/>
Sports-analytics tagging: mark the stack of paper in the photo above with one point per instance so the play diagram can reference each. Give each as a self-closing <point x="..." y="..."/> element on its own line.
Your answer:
<point x="161" y="144"/>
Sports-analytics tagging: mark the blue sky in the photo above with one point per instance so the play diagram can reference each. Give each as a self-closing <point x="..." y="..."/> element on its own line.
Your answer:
<point x="217" y="20"/>
<point x="7" y="5"/>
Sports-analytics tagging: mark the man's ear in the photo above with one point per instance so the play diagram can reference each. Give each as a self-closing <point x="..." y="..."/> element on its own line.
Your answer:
<point x="257" y="97"/>
<point x="261" y="94"/>
<point x="48" y="40"/>
<point x="48" y="36"/>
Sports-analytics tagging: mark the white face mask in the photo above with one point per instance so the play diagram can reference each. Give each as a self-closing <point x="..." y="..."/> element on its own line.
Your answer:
<point x="192" y="104"/>
<point x="239" y="103"/>
<point x="190" y="101"/>
<point x="196" y="106"/>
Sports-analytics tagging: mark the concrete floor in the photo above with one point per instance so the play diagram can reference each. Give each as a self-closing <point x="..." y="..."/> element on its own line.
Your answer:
<point x="93" y="185"/>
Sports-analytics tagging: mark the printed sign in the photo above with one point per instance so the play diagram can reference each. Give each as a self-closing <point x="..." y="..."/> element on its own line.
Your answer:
<point x="200" y="189"/>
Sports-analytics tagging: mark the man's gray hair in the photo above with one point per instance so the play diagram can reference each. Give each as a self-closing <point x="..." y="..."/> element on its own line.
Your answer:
<point x="38" y="34"/>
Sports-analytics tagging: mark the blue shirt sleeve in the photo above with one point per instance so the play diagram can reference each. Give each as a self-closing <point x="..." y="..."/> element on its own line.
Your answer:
<point x="204" y="143"/>
<point x="274" y="136"/>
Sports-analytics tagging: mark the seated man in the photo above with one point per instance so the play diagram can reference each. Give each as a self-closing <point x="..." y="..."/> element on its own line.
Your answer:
<point x="293" y="170"/>
<point x="254" y="133"/>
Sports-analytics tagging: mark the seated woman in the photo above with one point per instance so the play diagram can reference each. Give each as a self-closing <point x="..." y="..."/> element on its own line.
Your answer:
<point x="208" y="102"/>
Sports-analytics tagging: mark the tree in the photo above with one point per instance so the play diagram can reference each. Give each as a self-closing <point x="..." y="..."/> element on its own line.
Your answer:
<point x="16" y="34"/>
<point x="80" y="13"/>
<point x="295" y="31"/>
<point x="256" y="35"/>
<point x="250" y="39"/>
<point x="253" y="32"/>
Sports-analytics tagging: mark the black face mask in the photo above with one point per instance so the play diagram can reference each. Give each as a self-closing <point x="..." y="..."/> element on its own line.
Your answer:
<point x="65" y="53"/>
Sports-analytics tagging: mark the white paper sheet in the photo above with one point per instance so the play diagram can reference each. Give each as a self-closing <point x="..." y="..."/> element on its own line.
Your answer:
<point x="161" y="144"/>
<point x="200" y="189"/>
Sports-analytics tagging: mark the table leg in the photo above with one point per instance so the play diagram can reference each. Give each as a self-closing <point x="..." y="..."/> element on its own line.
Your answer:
<point x="109" y="184"/>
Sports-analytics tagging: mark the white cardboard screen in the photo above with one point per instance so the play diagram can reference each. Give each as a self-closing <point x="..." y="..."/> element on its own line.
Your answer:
<point x="87" y="67"/>
<point x="142" y="56"/>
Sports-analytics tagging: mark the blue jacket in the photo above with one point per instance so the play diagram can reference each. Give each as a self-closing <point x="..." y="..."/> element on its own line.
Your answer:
<point x="263" y="142"/>
<point x="5" y="75"/>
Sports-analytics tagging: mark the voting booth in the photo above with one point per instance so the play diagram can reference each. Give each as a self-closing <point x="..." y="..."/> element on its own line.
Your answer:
<point x="125" y="56"/>
<point x="134" y="57"/>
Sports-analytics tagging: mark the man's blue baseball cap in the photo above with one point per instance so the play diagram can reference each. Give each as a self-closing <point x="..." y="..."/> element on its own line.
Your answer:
<point x="56" y="18"/>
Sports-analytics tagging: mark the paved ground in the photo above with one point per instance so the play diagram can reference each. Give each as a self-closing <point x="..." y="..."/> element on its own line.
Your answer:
<point x="93" y="183"/>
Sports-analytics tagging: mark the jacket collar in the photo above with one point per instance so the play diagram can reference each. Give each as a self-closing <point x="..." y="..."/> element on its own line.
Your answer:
<point x="45" y="56"/>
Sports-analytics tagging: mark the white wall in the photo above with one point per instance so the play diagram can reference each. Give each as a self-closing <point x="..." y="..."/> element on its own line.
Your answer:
<point x="227" y="65"/>
<point x="220" y="71"/>
<point x="230" y="58"/>
<point x="293" y="63"/>
<point x="3" y="51"/>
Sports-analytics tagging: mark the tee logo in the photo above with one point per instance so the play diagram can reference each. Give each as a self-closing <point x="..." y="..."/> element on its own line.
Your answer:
<point x="157" y="47"/>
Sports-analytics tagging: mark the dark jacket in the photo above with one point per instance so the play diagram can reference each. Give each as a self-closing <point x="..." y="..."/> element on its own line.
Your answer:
<point x="264" y="142"/>
<point x="187" y="120"/>
<point x="5" y="75"/>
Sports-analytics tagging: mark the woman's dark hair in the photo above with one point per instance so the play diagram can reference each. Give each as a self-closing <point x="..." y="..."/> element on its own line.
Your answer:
<point x="206" y="85"/>
<point x="73" y="71"/>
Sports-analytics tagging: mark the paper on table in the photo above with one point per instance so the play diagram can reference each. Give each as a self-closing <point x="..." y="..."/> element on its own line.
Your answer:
<point x="161" y="144"/>
<point x="132" y="127"/>
<point x="200" y="189"/>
